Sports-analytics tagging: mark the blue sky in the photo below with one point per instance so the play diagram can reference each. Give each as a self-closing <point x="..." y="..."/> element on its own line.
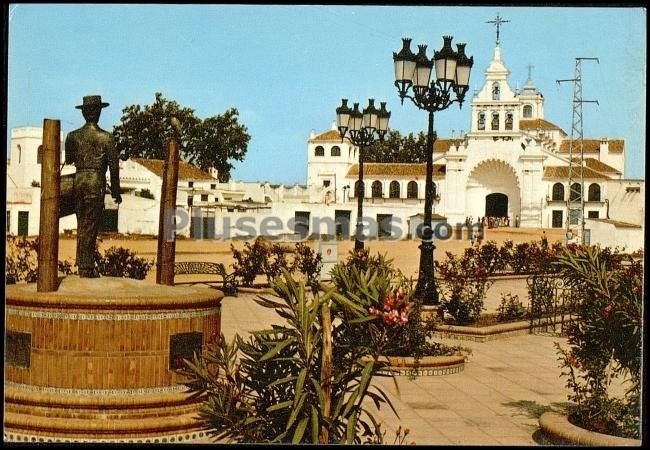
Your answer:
<point x="285" y="68"/>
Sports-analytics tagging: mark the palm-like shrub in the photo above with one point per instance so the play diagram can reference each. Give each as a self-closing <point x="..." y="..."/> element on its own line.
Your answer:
<point x="285" y="386"/>
<point x="606" y="340"/>
<point x="371" y="284"/>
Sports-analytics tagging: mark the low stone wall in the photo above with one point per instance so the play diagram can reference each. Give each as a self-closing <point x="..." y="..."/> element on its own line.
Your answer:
<point x="559" y="430"/>
<point x="483" y="334"/>
<point x="428" y="365"/>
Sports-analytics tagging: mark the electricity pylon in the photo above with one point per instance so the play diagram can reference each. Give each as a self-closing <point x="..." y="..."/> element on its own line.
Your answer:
<point x="577" y="132"/>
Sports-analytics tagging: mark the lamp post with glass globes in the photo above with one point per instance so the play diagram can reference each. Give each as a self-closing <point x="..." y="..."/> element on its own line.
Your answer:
<point x="451" y="78"/>
<point x="362" y="128"/>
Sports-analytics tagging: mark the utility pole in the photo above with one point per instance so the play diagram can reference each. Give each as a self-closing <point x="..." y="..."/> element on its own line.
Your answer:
<point x="577" y="133"/>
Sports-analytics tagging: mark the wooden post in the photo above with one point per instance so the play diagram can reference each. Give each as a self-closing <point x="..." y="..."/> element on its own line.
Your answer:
<point x="166" y="224"/>
<point x="326" y="370"/>
<point x="48" y="251"/>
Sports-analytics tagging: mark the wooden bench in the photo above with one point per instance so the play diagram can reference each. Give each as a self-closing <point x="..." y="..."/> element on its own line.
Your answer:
<point x="228" y="281"/>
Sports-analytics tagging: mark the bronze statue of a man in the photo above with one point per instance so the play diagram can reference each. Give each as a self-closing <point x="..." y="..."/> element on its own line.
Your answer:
<point x="92" y="151"/>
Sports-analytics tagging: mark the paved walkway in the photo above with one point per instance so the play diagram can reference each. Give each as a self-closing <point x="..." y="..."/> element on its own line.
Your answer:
<point x="506" y="385"/>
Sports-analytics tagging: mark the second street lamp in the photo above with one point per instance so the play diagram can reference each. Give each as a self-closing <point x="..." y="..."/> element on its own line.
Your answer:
<point x="362" y="128"/>
<point x="413" y="72"/>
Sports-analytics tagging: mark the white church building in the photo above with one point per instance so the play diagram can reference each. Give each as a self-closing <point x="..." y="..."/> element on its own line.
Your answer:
<point x="512" y="163"/>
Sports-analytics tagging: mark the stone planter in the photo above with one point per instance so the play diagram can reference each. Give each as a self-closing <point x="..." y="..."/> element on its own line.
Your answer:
<point x="96" y="360"/>
<point x="482" y="334"/>
<point x="559" y="430"/>
<point x="429" y="365"/>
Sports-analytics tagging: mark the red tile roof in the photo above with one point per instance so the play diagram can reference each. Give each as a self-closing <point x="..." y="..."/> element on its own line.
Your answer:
<point x="186" y="171"/>
<point x="598" y="166"/>
<point x="592" y="146"/>
<point x="563" y="172"/>
<point x="541" y="124"/>
<point x="328" y="136"/>
<point x="396" y="170"/>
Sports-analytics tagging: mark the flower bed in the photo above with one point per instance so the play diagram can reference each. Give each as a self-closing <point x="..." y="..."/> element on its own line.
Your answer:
<point x="560" y="431"/>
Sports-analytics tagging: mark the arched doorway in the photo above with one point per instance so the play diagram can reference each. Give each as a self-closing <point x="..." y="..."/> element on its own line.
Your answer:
<point x="496" y="205"/>
<point x="493" y="189"/>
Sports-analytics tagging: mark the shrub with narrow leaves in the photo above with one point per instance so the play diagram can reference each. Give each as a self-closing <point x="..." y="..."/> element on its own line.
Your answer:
<point x="605" y="342"/>
<point x="269" y="387"/>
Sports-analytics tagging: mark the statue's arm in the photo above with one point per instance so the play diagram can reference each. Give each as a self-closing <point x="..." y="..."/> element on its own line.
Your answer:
<point x="114" y="169"/>
<point x="70" y="149"/>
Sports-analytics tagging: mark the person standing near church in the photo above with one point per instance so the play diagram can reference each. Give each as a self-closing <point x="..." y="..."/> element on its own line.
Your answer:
<point x="92" y="151"/>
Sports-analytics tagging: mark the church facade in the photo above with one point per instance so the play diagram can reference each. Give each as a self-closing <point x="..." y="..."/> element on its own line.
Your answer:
<point x="512" y="164"/>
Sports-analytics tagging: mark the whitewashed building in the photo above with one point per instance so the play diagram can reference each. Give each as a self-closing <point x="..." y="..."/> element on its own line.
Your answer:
<point x="512" y="163"/>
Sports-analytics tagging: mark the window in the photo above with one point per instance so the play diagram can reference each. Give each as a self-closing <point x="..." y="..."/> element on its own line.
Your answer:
<point x="393" y="191"/>
<point x="213" y="186"/>
<point x="434" y="189"/>
<point x="8" y="221"/>
<point x="39" y="155"/>
<point x="183" y="346"/>
<point x="412" y="189"/>
<point x="592" y="214"/>
<point x="528" y="111"/>
<point x="496" y="92"/>
<point x="575" y="192"/>
<point x="190" y="200"/>
<point x="495" y="121"/>
<point x="336" y="151"/>
<point x="359" y="189"/>
<point x="558" y="191"/>
<point x="574" y="217"/>
<point x="376" y="189"/>
<point x="326" y="183"/>
<point x="204" y="197"/>
<point x="481" y="121"/>
<point x="509" y="121"/>
<point x="319" y="151"/>
<point x="18" y="349"/>
<point x="190" y="184"/>
<point x="594" y="192"/>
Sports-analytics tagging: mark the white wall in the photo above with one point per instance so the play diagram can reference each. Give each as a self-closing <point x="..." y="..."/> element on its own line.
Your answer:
<point x="609" y="235"/>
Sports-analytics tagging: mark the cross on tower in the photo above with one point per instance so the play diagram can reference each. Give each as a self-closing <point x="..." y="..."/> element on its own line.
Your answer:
<point x="498" y="21"/>
<point x="530" y="68"/>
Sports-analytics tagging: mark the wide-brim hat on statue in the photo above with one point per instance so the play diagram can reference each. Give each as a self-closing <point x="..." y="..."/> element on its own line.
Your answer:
<point x="92" y="100"/>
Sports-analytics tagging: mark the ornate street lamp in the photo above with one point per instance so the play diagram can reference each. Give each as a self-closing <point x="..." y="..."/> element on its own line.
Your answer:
<point x="363" y="128"/>
<point x="450" y="83"/>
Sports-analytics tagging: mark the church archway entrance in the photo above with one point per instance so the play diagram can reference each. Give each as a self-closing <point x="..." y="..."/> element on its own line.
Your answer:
<point x="496" y="205"/>
<point x="493" y="189"/>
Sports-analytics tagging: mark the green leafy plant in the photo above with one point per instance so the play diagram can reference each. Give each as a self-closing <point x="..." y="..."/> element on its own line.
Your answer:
<point x="261" y="258"/>
<point x="308" y="262"/>
<point x="373" y="285"/>
<point x="250" y="261"/>
<point x="510" y="308"/>
<point x="122" y="262"/>
<point x="146" y="193"/>
<point x="21" y="259"/>
<point x="276" y="390"/>
<point x="605" y="343"/>
<point x="464" y="285"/>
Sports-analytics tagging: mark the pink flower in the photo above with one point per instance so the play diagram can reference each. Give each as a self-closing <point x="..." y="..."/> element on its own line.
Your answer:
<point x="607" y="311"/>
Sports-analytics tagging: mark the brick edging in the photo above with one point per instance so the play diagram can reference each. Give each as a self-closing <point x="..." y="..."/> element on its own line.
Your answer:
<point x="558" y="428"/>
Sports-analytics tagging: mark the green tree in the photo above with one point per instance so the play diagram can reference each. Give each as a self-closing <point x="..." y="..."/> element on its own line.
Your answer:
<point x="396" y="148"/>
<point x="211" y="142"/>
